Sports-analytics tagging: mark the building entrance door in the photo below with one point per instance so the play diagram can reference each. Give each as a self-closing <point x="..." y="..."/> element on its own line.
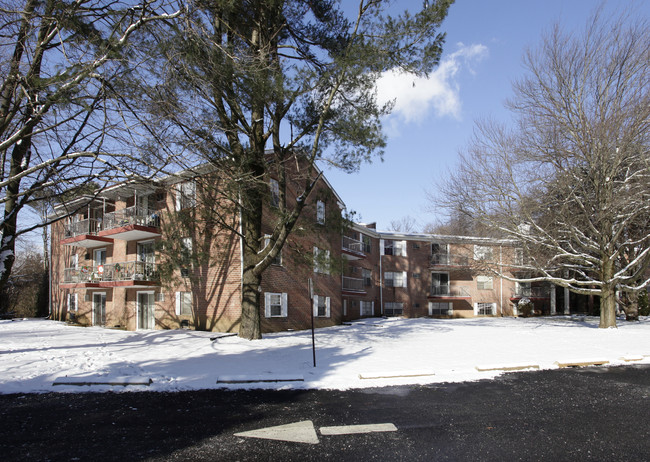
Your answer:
<point x="99" y="309"/>
<point x="146" y="318"/>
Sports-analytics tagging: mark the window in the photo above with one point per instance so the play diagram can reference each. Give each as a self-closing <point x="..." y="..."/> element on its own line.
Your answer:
<point x="519" y="256"/>
<point x="482" y="252"/>
<point x="183" y="303"/>
<point x="99" y="257"/>
<point x="367" y="308"/>
<point x="275" y="305"/>
<point x="485" y="309"/>
<point x="74" y="261"/>
<point x="186" y="248"/>
<point x="72" y="302"/>
<point x="484" y="282"/>
<point x="416" y="275"/>
<point x="440" y="254"/>
<point x="395" y="279"/>
<point x="439" y="284"/>
<point x="392" y="247"/>
<point x="185" y="195"/>
<point x="441" y="308"/>
<point x="321" y="306"/>
<point x="393" y="308"/>
<point x="416" y="245"/>
<point x="278" y="259"/>
<point x="320" y="212"/>
<point x="366" y="274"/>
<point x="275" y="192"/>
<point x="321" y="261"/>
<point x="365" y="241"/>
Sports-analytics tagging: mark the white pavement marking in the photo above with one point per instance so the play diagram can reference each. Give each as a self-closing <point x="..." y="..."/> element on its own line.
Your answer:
<point x="298" y="432"/>
<point x="355" y="429"/>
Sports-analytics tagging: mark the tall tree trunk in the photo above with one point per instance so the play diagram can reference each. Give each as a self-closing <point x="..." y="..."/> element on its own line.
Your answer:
<point x="608" y="307"/>
<point x="250" y="327"/>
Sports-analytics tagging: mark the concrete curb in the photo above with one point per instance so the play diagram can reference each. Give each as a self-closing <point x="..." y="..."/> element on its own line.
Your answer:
<point x="259" y="378"/>
<point x="506" y="367"/>
<point x="581" y="362"/>
<point x="394" y="374"/>
<point x="113" y="381"/>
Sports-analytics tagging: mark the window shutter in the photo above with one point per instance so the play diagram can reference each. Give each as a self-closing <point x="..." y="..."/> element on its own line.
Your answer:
<point x="373" y="308"/>
<point x="315" y="305"/>
<point x="404" y="248"/>
<point x="327" y="262"/>
<point x="327" y="307"/>
<point x="285" y="304"/>
<point x="316" y="263"/>
<point x="267" y="304"/>
<point x="345" y="307"/>
<point x="381" y="247"/>
<point x="178" y="303"/>
<point x="404" y="284"/>
<point x="177" y="196"/>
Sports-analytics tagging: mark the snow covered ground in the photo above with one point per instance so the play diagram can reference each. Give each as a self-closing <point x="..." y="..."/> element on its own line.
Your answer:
<point x="36" y="353"/>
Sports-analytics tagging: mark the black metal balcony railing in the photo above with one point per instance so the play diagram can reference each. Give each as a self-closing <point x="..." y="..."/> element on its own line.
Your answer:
<point x="122" y="271"/>
<point x="448" y="291"/>
<point x="353" y="284"/>
<point x="131" y="216"/>
<point x="534" y="292"/>
<point x="81" y="227"/>
<point x="445" y="259"/>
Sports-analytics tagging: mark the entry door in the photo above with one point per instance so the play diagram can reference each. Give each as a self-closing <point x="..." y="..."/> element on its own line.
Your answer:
<point x="145" y="310"/>
<point x="99" y="309"/>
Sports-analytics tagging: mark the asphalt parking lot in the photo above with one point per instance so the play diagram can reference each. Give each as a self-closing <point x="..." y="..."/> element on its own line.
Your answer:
<point x="600" y="413"/>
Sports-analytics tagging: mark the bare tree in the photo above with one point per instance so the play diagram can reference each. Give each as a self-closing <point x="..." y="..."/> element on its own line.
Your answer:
<point x="571" y="180"/>
<point x="59" y="64"/>
<point x="406" y="224"/>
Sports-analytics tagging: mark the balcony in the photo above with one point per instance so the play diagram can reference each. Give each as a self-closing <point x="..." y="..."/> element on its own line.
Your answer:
<point x="447" y="291"/>
<point x="83" y="233"/>
<point x="352" y="249"/>
<point x="353" y="285"/>
<point x="131" y="223"/>
<point x="130" y="273"/>
<point x="448" y="260"/>
<point x="531" y="292"/>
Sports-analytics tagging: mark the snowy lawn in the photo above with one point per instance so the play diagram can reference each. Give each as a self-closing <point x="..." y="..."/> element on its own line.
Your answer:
<point x="35" y="353"/>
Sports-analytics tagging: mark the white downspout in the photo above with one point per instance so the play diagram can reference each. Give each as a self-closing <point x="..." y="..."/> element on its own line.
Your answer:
<point x="381" y="286"/>
<point x="501" y="280"/>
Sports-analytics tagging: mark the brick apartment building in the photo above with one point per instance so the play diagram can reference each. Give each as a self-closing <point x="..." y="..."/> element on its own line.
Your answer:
<point x="111" y="266"/>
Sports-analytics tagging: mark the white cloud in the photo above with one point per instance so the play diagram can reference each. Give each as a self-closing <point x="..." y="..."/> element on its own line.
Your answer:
<point x="415" y="96"/>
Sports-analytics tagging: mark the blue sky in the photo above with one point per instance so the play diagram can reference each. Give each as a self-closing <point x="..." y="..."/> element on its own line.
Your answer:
<point x="432" y="121"/>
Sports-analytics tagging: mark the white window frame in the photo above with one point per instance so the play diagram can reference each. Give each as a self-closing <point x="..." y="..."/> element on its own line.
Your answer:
<point x="439" y="306"/>
<point x="137" y="308"/>
<point x="320" y="212"/>
<point x="185" y="195"/>
<point x="326" y="303"/>
<point x="274" y="187"/>
<point x="484" y="282"/>
<point x="394" y="306"/>
<point x="75" y="261"/>
<point x="179" y="303"/>
<point x="478" y="306"/>
<point x="268" y="304"/>
<point x="278" y="259"/>
<point x="321" y="261"/>
<point x="365" y="305"/>
<point x="397" y="248"/>
<point x="73" y="301"/>
<point x="95" y="252"/>
<point x="397" y="278"/>
<point x="519" y="256"/>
